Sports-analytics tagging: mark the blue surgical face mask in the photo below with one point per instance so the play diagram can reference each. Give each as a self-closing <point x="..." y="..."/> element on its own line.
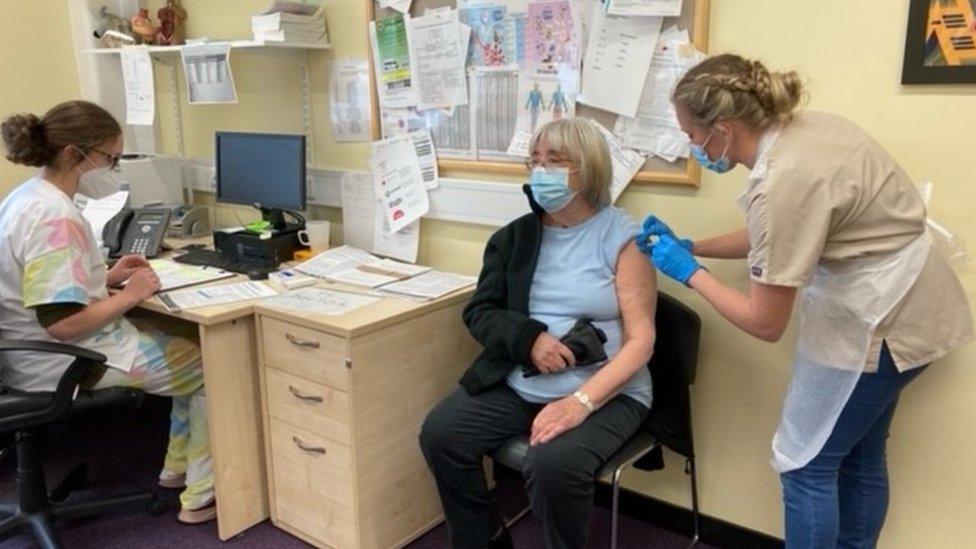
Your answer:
<point x="721" y="165"/>
<point x="550" y="188"/>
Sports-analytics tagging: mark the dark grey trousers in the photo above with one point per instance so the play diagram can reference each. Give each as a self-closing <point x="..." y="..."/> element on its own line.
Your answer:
<point x="462" y="429"/>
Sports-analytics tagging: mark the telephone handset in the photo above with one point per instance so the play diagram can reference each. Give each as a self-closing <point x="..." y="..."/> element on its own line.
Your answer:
<point x="136" y="231"/>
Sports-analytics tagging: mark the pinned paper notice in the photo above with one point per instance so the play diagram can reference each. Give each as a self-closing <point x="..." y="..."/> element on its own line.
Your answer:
<point x="140" y="94"/>
<point x="206" y="68"/>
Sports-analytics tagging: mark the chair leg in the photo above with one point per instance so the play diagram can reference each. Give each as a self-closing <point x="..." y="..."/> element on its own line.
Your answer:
<point x="76" y="510"/>
<point x="614" y="506"/>
<point x="9" y="524"/>
<point x="695" y="512"/>
<point x="46" y="536"/>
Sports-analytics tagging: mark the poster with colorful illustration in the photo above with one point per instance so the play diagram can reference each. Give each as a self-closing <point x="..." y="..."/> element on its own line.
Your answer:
<point x="491" y="41"/>
<point x="549" y="36"/>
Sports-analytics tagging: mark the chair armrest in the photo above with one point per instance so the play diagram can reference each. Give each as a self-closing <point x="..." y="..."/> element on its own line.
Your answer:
<point x="50" y="347"/>
<point x="67" y="387"/>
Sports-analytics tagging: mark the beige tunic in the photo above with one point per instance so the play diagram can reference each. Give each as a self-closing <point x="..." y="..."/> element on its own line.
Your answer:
<point x="822" y="191"/>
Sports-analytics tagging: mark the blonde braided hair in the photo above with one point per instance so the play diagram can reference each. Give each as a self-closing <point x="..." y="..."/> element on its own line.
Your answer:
<point x="728" y="86"/>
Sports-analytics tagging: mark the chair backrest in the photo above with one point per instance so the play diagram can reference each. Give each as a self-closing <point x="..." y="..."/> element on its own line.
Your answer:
<point x="672" y="371"/>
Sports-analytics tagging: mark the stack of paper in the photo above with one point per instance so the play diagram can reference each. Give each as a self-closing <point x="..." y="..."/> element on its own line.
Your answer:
<point x="430" y="285"/>
<point x="319" y="301"/>
<point x="302" y="23"/>
<point x="214" y="295"/>
<point x="174" y="275"/>
<point x="349" y="265"/>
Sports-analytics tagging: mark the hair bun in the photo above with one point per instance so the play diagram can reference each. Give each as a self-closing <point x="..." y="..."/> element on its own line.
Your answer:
<point x="25" y="141"/>
<point x="779" y="93"/>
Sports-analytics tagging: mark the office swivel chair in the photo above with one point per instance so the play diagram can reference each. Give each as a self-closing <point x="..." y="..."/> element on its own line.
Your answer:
<point x="667" y="424"/>
<point x="26" y="415"/>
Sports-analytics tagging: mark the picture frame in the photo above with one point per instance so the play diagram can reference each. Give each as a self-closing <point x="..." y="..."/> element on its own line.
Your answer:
<point x="940" y="42"/>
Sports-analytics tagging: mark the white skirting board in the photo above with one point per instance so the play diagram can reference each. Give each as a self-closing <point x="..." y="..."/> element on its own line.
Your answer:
<point x="461" y="200"/>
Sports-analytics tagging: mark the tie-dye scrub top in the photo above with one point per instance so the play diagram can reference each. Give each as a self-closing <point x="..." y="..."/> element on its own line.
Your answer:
<point x="48" y="255"/>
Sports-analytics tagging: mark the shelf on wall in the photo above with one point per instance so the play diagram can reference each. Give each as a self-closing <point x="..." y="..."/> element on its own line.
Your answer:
<point x="235" y="44"/>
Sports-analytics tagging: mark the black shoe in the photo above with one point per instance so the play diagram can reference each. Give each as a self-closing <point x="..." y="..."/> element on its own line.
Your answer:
<point x="501" y="540"/>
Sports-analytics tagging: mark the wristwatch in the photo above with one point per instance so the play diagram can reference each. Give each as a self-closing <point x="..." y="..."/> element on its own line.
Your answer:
<point x="584" y="399"/>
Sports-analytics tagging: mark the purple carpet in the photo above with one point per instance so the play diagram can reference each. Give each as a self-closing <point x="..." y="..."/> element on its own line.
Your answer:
<point x="124" y="450"/>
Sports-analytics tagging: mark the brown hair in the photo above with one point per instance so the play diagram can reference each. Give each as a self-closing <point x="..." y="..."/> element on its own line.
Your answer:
<point x="728" y="86"/>
<point x="34" y="141"/>
<point x="582" y="142"/>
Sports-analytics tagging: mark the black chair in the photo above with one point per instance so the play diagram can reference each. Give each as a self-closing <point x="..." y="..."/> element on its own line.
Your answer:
<point x="669" y="421"/>
<point x="26" y="415"/>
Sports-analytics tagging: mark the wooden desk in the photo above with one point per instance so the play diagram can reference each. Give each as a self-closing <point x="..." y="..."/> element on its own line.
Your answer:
<point x="230" y="373"/>
<point x="382" y="367"/>
<point x="343" y="398"/>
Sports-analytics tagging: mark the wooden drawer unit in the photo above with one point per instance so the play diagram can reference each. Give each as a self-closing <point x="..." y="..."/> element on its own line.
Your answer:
<point x="306" y="353"/>
<point x="312" y="484"/>
<point x="320" y="409"/>
<point x="343" y="398"/>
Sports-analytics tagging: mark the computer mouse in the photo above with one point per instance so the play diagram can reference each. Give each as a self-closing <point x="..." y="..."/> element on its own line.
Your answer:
<point x="257" y="274"/>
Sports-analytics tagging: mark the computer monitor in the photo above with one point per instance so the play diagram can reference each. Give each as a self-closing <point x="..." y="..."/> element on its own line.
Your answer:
<point x="263" y="170"/>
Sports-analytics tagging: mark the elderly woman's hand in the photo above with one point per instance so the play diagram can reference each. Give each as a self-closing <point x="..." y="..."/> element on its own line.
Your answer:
<point x="551" y="355"/>
<point x="556" y="418"/>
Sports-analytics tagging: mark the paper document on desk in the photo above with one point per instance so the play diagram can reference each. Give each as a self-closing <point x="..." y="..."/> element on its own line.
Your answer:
<point x="173" y="275"/>
<point x="99" y="211"/>
<point x="348" y="265"/>
<point x="319" y="301"/>
<point x="137" y="79"/>
<point x="214" y="295"/>
<point x="430" y="285"/>
<point x="335" y="261"/>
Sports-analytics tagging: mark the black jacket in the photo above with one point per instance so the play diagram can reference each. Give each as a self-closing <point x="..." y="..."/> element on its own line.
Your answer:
<point x="498" y="313"/>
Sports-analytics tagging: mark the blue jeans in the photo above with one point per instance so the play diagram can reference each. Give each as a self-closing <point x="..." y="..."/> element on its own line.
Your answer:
<point x="840" y="498"/>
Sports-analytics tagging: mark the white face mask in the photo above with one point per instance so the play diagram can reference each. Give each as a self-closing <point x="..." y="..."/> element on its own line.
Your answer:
<point x="98" y="182"/>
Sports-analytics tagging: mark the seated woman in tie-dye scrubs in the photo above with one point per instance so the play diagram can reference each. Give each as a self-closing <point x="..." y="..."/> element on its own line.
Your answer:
<point x="53" y="286"/>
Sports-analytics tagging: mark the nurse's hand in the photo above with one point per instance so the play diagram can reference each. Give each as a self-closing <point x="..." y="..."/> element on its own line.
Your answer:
<point x="551" y="355"/>
<point x="556" y="418"/>
<point x="674" y="260"/>
<point x="655" y="227"/>
<point x="142" y="284"/>
<point x="125" y="267"/>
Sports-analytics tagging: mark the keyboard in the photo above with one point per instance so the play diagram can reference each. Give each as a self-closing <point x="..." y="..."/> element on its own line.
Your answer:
<point x="211" y="258"/>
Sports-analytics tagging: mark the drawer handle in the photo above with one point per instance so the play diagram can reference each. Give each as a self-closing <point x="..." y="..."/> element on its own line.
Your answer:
<point x="308" y="398"/>
<point x="310" y="449"/>
<point x="294" y="340"/>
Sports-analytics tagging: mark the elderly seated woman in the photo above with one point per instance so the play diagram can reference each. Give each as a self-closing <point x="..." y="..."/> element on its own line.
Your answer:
<point x="572" y="259"/>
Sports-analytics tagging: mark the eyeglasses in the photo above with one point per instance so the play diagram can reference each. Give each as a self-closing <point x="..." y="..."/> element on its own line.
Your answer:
<point x="114" y="158"/>
<point x="548" y="163"/>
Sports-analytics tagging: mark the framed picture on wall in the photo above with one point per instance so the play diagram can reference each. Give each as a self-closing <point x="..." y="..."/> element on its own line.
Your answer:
<point x="940" y="43"/>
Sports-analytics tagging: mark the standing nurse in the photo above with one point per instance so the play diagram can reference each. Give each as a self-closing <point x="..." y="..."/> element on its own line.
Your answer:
<point x="827" y="210"/>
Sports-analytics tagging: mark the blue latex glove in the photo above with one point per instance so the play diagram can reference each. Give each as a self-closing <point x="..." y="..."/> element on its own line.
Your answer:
<point x="674" y="260"/>
<point x="655" y="227"/>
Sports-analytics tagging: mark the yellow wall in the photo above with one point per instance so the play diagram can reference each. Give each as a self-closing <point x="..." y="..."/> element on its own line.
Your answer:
<point x="850" y="53"/>
<point x="37" y="67"/>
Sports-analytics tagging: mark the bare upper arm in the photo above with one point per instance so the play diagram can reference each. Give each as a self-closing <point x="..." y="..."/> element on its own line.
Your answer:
<point x="636" y="286"/>
<point x="772" y="307"/>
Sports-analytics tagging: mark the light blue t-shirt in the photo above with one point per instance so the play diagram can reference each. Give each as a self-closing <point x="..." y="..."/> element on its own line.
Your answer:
<point x="574" y="278"/>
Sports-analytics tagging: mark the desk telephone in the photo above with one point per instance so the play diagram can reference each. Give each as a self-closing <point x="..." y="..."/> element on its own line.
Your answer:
<point x="136" y="231"/>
